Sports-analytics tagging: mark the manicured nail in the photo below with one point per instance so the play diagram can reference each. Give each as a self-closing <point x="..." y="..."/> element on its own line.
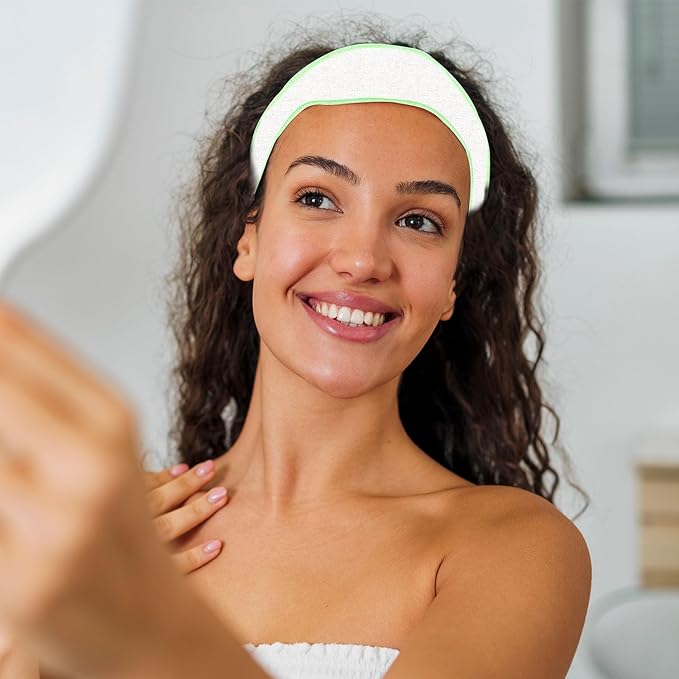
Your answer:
<point x="204" y="468"/>
<point x="216" y="494"/>
<point x="178" y="469"/>
<point x="212" y="546"/>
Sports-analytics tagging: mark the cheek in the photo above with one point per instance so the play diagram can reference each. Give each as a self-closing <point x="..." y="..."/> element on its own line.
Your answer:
<point x="284" y="256"/>
<point x="428" y="288"/>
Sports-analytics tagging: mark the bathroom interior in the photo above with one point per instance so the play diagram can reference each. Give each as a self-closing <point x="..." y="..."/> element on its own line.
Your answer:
<point x="100" y="104"/>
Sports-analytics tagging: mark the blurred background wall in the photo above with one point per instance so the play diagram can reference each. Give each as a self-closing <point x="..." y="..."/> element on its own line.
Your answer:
<point x="611" y="273"/>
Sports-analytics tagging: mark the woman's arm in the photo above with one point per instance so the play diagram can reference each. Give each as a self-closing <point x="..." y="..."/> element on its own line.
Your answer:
<point x="193" y="642"/>
<point x="198" y="648"/>
<point x="93" y="590"/>
<point x="165" y="491"/>
<point x="510" y="603"/>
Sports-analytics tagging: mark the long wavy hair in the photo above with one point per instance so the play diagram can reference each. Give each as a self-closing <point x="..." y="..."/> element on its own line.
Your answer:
<point x="471" y="398"/>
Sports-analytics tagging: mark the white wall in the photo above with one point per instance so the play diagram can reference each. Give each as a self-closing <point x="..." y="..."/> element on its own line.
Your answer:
<point x="610" y="280"/>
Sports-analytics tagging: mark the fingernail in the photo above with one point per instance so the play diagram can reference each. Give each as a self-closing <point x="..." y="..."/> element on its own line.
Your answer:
<point x="216" y="494"/>
<point x="178" y="469"/>
<point x="212" y="546"/>
<point x="204" y="468"/>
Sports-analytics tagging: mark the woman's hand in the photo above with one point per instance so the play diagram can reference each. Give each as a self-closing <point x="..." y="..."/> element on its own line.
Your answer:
<point x="167" y="491"/>
<point x="86" y="581"/>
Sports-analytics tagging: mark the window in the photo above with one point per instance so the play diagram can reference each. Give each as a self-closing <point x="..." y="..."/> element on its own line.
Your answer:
<point x="628" y="136"/>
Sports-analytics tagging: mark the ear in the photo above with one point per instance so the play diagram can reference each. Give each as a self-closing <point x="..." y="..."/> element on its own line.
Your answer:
<point x="244" y="264"/>
<point x="450" y="304"/>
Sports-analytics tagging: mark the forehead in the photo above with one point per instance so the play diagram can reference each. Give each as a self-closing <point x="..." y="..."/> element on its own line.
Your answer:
<point x="382" y="136"/>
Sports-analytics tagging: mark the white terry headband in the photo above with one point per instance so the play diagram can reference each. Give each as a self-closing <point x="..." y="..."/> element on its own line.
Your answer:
<point x="369" y="72"/>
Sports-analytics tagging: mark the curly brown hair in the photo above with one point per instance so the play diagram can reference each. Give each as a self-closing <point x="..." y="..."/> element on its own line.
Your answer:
<point x="471" y="398"/>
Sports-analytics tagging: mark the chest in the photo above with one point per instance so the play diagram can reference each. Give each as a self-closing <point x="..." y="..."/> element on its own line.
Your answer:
<point x="362" y="579"/>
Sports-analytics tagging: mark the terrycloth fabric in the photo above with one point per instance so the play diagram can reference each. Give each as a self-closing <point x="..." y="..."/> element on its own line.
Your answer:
<point x="378" y="72"/>
<point x="323" y="661"/>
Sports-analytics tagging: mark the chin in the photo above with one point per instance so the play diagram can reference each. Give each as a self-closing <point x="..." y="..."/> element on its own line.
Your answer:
<point x="342" y="390"/>
<point x="342" y="383"/>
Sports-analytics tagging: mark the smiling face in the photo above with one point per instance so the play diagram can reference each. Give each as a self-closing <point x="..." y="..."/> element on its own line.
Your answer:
<point x="356" y="233"/>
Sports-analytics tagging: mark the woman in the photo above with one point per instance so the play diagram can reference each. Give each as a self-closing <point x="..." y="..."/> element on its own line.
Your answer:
<point x="362" y="318"/>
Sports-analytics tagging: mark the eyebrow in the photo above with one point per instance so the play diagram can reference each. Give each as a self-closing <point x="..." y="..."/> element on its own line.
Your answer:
<point x="343" y="172"/>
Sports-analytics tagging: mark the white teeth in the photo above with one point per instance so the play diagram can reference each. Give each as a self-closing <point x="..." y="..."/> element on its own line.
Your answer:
<point x="357" y="317"/>
<point x="352" y="317"/>
<point x="344" y="314"/>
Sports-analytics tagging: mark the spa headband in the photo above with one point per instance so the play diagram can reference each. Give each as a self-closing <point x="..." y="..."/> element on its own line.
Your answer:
<point x="378" y="72"/>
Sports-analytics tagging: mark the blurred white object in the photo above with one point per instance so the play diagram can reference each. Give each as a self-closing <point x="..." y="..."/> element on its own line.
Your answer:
<point x="635" y="634"/>
<point x="65" y="72"/>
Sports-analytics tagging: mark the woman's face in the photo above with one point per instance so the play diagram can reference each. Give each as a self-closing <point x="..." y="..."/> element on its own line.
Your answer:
<point x="356" y="233"/>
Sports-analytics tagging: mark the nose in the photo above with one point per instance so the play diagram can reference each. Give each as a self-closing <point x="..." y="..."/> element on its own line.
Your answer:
<point x="361" y="251"/>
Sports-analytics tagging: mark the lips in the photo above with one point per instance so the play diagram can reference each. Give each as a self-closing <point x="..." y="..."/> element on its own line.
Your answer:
<point x="363" y="334"/>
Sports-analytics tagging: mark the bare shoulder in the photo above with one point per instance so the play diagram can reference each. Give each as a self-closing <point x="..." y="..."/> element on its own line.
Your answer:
<point x="498" y="504"/>
<point x="511" y="593"/>
<point x="505" y="524"/>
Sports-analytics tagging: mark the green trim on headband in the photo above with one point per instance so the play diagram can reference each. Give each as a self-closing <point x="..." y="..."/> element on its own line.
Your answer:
<point x="378" y="45"/>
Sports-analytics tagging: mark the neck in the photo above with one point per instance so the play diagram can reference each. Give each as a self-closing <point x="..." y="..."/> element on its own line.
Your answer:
<point x="301" y="449"/>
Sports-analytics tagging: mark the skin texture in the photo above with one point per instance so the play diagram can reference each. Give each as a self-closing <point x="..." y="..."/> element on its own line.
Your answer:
<point x="322" y="432"/>
<point x="311" y="386"/>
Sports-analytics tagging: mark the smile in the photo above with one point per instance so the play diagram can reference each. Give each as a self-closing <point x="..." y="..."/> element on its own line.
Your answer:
<point x="349" y="323"/>
<point x="347" y="315"/>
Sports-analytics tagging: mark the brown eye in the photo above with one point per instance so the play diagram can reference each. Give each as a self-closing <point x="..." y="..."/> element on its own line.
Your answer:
<point x="316" y="199"/>
<point x="313" y="198"/>
<point x="415" y="222"/>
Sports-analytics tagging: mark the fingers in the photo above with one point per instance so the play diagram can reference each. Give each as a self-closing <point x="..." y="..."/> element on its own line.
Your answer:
<point x="38" y="534"/>
<point x="66" y="443"/>
<point x="49" y="366"/>
<point x="179" y="505"/>
<point x="197" y="556"/>
<point x="41" y="437"/>
<point x="156" y="479"/>
<point x="174" y="491"/>
<point x="173" y="524"/>
<point x="22" y="510"/>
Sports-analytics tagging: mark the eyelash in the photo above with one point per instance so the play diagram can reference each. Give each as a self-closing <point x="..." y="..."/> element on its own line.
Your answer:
<point x="427" y="215"/>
